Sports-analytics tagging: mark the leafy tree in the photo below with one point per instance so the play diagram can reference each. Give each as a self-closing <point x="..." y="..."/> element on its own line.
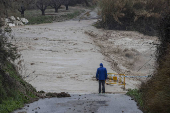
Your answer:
<point x="55" y="4"/>
<point x="42" y="5"/>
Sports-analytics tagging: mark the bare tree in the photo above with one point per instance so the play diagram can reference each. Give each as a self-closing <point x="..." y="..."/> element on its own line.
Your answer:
<point x="87" y="4"/>
<point x="55" y="4"/>
<point x="4" y="6"/>
<point x="66" y="3"/>
<point x="22" y="9"/>
<point x="42" y="5"/>
<point x="22" y="5"/>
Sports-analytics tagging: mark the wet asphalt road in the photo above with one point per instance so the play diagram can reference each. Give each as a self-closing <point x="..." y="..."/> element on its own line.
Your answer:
<point x="85" y="103"/>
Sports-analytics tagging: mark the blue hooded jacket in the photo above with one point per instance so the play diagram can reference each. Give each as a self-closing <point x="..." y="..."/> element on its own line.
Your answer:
<point x="101" y="73"/>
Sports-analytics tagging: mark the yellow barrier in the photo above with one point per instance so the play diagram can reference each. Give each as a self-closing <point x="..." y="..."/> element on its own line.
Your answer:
<point x="115" y="80"/>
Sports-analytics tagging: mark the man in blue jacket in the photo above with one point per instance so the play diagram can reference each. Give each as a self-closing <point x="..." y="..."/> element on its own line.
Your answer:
<point x="101" y="75"/>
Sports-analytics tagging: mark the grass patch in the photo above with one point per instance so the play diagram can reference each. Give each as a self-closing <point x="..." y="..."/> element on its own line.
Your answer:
<point x="72" y="15"/>
<point x="10" y="105"/>
<point x="40" y="19"/>
<point x="14" y="91"/>
<point x="136" y="95"/>
<point x="35" y="17"/>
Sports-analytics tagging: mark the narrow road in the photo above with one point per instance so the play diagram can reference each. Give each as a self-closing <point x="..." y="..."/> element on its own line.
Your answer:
<point x="87" y="103"/>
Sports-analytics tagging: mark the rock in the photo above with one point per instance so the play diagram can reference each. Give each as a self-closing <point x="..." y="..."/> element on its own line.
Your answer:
<point x="18" y="18"/>
<point x="18" y="23"/>
<point x="24" y="20"/>
<point x="11" y="25"/>
<point x="12" y="18"/>
<point x="7" y="21"/>
<point x="2" y="19"/>
<point x="12" y="21"/>
<point x="62" y="94"/>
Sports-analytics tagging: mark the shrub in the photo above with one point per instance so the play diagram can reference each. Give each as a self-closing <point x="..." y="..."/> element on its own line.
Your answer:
<point x="140" y="15"/>
<point x="136" y="95"/>
<point x="14" y="91"/>
<point x="156" y="91"/>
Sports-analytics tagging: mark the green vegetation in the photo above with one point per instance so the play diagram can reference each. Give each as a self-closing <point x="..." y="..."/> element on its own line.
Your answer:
<point x="72" y="15"/>
<point x="136" y="95"/>
<point x="40" y="19"/>
<point x="154" y="94"/>
<point x="14" y="91"/>
<point x="156" y="91"/>
<point x="49" y="19"/>
<point x="35" y="17"/>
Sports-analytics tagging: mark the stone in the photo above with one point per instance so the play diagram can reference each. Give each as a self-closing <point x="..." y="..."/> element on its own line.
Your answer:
<point x="24" y="20"/>
<point x="18" y="18"/>
<point x="18" y="23"/>
<point x="12" y="18"/>
<point x="2" y="19"/>
<point x="7" y="20"/>
<point x="11" y="25"/>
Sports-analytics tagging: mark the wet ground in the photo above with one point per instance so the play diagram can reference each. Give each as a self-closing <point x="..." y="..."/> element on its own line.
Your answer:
<point x="85" y="103"/>
<point x="64" y="57"/>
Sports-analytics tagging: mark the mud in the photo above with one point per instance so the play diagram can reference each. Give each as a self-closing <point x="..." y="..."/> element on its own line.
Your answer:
<point x="130" y="53"/>
<point x="64" y="56"/>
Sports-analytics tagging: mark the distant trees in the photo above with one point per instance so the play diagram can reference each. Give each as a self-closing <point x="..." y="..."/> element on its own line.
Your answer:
<point x="23" y="5"/>
<point x="55" y="4"/>
<point x="42" y="5"/>
<point x="74" y="2"/>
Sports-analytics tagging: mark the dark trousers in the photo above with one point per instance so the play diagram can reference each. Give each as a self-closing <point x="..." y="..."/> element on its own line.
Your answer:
<point x="102" y="82"/>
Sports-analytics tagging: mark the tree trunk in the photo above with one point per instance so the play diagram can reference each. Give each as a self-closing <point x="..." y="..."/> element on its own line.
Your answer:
<point x="6" y="13"/>
<point x="56" y="10"/>
<point x="43" y="12"/>
<point x="67" y="7"/>
<point x="87" y="4"/>
<point x="22" y="13"/>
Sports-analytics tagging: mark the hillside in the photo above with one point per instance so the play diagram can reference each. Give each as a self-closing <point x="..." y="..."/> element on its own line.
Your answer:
<point x="14" y="91"/>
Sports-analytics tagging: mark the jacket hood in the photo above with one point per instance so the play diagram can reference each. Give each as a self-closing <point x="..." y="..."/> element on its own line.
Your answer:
<point x="101" y="65"/>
